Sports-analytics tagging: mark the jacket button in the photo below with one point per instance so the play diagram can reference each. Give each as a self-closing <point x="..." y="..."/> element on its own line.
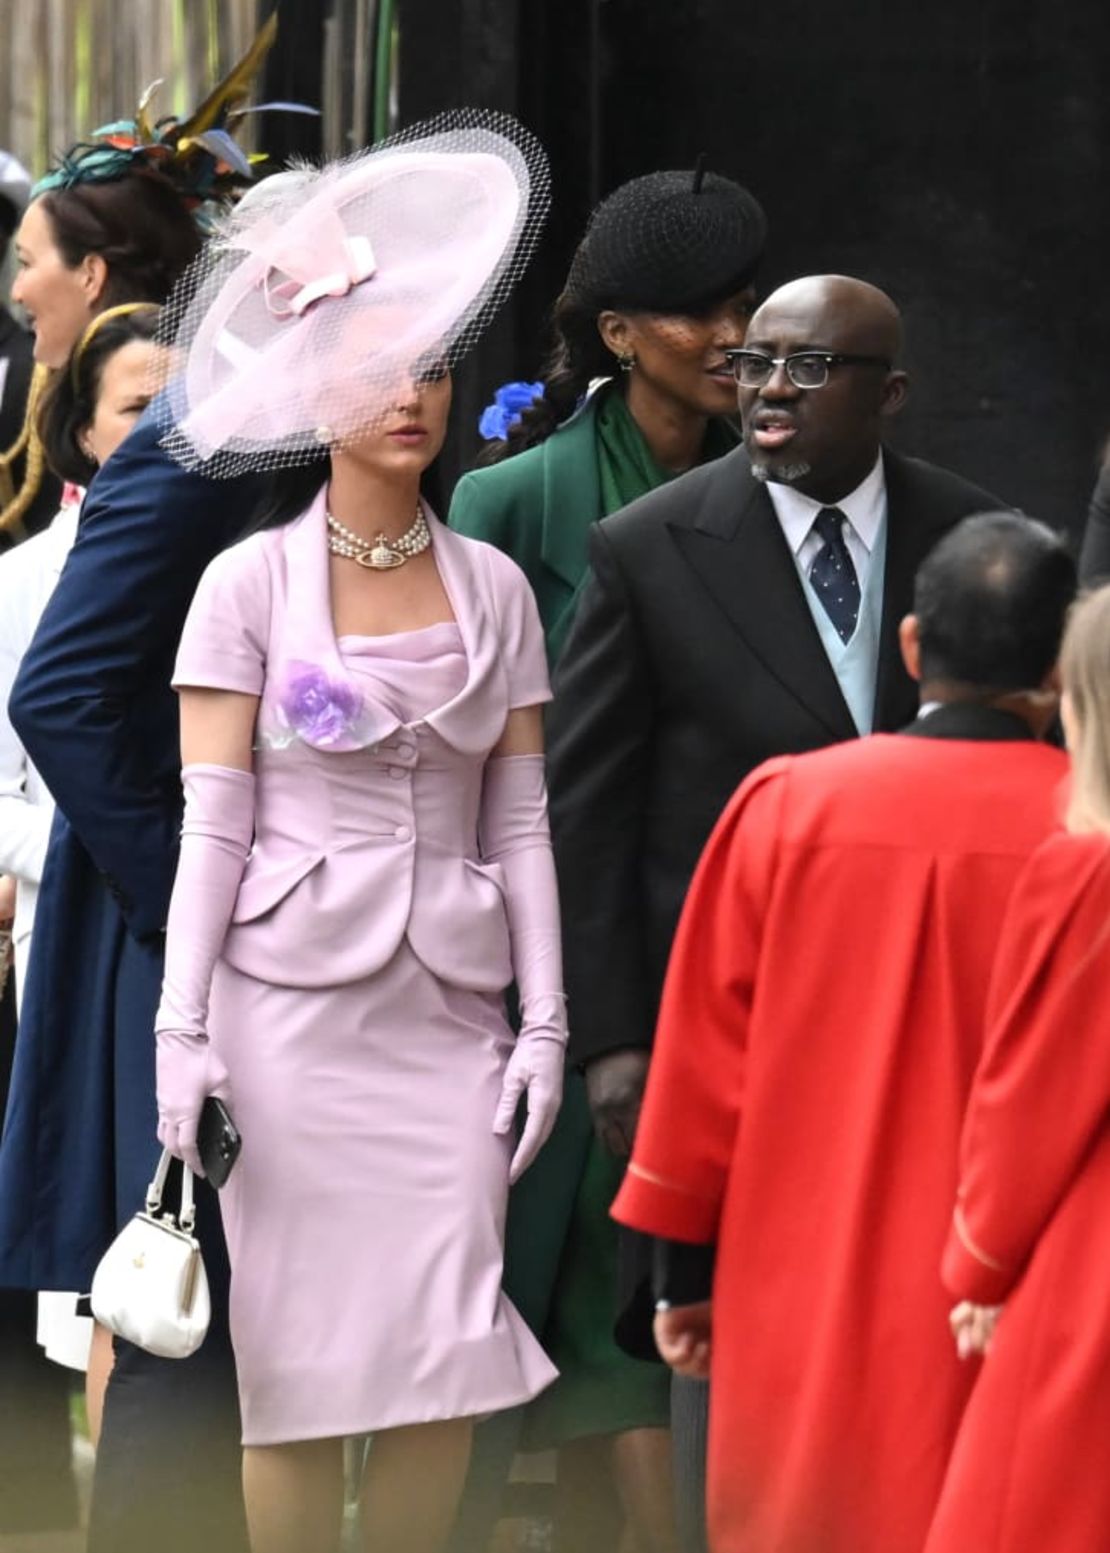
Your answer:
<point x="396" y="772"/>
<point x="403" y="833"/>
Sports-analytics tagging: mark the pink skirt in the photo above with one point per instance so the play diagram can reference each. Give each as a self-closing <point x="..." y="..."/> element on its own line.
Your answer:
<point x="365" y="1216"/>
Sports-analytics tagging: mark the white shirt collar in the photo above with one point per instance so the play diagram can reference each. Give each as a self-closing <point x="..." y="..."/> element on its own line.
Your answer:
<point x="863" y="508"/>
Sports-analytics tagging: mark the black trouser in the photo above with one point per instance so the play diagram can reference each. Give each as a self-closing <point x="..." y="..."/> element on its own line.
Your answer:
<point x="168" y="1470"/>
<point x="689" y="1436"/>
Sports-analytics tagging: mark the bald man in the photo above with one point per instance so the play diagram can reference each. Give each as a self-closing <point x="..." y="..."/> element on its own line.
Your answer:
<point x="745" y="610"/>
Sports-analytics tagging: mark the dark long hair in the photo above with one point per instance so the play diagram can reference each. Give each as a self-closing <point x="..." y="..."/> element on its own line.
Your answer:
<point x="287" y="493"/>
<point x="138" y="224"/>
<point x="69" y="401"/>
<point x="677" y="242"/>
<point x="576" y="357"/>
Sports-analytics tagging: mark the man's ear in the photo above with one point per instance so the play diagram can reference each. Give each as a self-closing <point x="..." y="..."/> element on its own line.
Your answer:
<point x="896" y="391"/>
<point x="909" y="640"/>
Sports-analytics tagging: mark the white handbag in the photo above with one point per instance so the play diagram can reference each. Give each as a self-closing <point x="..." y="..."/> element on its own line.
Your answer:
<point x="150" y="1286"/>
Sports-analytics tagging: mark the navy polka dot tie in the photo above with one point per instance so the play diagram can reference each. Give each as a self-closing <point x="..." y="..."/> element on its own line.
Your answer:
<point x="832" y="574"/>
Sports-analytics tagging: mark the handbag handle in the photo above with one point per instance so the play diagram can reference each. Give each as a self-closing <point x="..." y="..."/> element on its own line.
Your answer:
<point x="187" y="1217"/>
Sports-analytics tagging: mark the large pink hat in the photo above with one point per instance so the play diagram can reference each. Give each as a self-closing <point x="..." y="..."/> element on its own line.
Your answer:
<point x="326" y="291"/>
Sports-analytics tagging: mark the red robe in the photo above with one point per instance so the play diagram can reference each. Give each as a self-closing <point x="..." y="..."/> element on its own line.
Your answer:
<point x="820" y="1025"/>
<point x="1031" y="1468"/>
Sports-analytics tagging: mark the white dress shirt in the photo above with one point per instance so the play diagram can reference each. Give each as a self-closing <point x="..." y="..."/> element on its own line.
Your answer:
<point x="864" y="508"/>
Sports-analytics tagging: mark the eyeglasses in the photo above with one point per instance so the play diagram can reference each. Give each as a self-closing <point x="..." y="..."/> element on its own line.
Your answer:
<point x="805" y="369"/>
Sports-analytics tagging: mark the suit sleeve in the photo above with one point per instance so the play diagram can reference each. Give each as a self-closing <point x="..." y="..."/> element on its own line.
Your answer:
<point x="225" y="637"/>
<point x="1041" y="1092"/>
<point x="147" y="532"/>
<point x="474" y="514"/>
<point x="599" y="740"/>
<point x="686" y="1135"/>
<point x="1094" y="555"/>
<point x="502" y="507"/>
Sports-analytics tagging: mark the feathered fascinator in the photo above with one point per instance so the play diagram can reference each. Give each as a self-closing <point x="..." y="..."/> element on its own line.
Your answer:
<point x="198" y="154"/>
<point x="327" y="290"/>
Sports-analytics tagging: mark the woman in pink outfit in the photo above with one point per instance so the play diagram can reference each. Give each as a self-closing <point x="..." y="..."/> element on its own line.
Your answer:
<point x="1028" y="1256"/>
<point x="365" y="863"/>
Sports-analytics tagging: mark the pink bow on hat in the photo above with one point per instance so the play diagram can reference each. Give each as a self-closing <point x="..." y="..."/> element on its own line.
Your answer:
<point x="285" y="348"/>
<point x="326" y="263"/>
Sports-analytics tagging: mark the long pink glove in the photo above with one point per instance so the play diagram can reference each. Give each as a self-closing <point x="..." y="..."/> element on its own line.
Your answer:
<point x="513" y="832"/>
<point x="215" y="838"/>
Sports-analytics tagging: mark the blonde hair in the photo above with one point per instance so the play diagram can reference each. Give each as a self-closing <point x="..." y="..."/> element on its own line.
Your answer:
<point x="1085" y="671"/>
<point x="15" y="501"/>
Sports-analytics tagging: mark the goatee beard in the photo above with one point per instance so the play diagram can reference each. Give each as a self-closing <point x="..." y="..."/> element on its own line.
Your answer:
<point x="780" y="474"/>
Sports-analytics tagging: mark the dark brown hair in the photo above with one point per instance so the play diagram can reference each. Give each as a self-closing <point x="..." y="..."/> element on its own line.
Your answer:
<point x="68" y="405"/>
<point x="138" y="225"/>
<point x="671" y="243"/>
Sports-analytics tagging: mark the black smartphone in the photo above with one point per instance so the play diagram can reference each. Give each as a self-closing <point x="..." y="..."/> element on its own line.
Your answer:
<point x="218" y="1141"/>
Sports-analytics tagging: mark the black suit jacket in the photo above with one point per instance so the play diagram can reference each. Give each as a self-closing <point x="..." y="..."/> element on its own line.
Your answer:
<point x="693" y="657"/>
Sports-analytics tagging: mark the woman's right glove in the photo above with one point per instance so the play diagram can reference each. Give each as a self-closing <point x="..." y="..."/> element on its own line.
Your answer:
<point x="514" y="833"/>
<point x="216" y="837"/>
<point x="188" y="1071"/>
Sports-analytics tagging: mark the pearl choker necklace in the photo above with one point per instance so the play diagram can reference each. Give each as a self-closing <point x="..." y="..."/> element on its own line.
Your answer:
<point x="380" y="554"/>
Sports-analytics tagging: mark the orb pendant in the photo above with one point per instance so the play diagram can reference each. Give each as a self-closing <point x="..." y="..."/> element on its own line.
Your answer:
<point x="380" y="558"/>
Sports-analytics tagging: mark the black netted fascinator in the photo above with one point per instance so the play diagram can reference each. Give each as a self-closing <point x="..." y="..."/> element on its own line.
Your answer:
<point x="672" y="242"/>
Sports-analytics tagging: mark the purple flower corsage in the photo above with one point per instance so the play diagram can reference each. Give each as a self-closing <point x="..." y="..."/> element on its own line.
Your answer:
<point x="323" y="712"/>
<point x="509" y="404"/>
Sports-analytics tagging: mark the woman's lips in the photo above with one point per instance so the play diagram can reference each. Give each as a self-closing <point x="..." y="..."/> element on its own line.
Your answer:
<point x="408" y="435"/>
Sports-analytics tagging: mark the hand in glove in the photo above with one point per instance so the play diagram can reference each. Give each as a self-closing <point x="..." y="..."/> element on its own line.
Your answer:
<point x="513" y="832"/>
<point x="215" y="839"/>
<point x="188" y="1071"/>
<point x="535" y="1069"/>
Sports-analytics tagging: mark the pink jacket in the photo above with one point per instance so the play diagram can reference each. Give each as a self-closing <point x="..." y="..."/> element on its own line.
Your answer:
<point x="366" y="828"/>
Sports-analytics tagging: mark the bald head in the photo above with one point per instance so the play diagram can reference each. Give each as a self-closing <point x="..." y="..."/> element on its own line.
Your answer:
<point x="822" y="438"/>
<point x="838" y="312"/>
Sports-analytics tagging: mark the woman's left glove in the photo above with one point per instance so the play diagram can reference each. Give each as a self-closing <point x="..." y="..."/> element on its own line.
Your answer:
<point x="188" y="1071"/>
<point x="535" y="1070"/>
<point x="514" y="833"/>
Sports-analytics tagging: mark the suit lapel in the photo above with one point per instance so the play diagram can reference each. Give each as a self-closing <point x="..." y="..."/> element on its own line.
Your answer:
<point x="733" y="541"/>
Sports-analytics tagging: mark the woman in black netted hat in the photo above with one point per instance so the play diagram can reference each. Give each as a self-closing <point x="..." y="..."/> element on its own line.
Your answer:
<point x="660" y="287"/>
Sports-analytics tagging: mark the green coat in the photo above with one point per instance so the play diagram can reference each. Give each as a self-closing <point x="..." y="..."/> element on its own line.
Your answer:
<point x="538" y="507"/>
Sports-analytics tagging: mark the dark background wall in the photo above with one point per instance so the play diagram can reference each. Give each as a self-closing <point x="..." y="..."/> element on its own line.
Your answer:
<point x="955" y="152"/>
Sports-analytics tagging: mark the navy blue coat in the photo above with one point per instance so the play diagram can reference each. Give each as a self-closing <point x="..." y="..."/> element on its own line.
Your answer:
<point x="95" y="712"/>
